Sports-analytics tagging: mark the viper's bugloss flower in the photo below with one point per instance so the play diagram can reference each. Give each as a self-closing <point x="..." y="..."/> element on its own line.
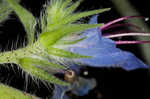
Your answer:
<point x="103" y="50"/>
<point x="104" y="53"/>
<point x="63" y="39"/>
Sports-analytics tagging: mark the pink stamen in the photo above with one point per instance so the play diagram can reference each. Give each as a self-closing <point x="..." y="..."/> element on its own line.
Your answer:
<point x="125" y="34"/>
<point x="118" y="32"/>
<point x="117" y="20"/>
<point x="131" y="42"/>
<point x="121" y="25"/>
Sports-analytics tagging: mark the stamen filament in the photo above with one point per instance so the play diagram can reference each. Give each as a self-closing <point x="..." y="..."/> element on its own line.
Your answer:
<point x="121" y="25"/>
<point x="117" y="20"/>
<point x="126" y="34"/>
<point x="131" y="42"/>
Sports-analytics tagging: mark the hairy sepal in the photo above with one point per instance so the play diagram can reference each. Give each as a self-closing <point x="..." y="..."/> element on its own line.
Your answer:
<point x="50" y="38"/>
<point x="61" y="12"/>
<point x="27" y="65"/>
<point x="65" y="54"/>
<point x="66" y="42"/>
<point x="41" y="63"/>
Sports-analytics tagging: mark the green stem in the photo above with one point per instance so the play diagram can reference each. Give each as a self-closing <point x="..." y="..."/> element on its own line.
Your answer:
<point x="13" y="56"/>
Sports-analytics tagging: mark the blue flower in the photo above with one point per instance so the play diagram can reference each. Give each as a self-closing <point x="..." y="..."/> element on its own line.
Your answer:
<point x="104" y="54"/>
<point x="104" y="51"/>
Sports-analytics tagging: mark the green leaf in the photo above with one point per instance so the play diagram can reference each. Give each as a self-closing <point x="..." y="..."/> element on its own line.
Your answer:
<point x="7" y="92"/>
<point x="5" y="10"/>
<point x="65" y="54"/>
<point x="26" y="18"/>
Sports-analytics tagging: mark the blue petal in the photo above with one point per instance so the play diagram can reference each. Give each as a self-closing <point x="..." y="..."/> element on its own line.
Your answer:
<point x="104" y="54"/>
<point x="103" y="51"/>
<point x="82" y="86"/>
<point x="59" y="92"/>
<point x="93" y="19"/>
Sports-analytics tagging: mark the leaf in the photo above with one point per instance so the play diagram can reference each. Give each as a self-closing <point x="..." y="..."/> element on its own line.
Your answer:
<point x="26" y="18"/>
<point x="5" y="10"/>
<point x="11" y="93"/>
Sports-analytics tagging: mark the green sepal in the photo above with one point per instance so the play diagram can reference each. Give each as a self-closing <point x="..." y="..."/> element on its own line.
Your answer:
<point x="72" y="18"/>
<point x="66" y="42"/>
<point x="65" y="54"/>
<point x="48" y="39"/>
<point x="72" y="8"/>
<point x="38" y="72"/>
<point x="42" y="63"/>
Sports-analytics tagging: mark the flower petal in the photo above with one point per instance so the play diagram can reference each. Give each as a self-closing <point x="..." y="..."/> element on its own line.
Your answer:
<point x="103" y="51"/>
<point x="59" y="92"/>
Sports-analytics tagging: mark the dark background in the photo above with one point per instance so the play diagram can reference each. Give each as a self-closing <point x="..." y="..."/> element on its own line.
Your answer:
<point x="12" y="31"/>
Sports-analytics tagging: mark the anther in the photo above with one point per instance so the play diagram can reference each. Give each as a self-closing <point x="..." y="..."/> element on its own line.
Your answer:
<point x="69" y="75"/>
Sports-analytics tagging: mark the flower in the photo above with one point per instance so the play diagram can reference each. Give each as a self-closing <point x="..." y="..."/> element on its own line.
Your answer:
<point x="104" y="54"/>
